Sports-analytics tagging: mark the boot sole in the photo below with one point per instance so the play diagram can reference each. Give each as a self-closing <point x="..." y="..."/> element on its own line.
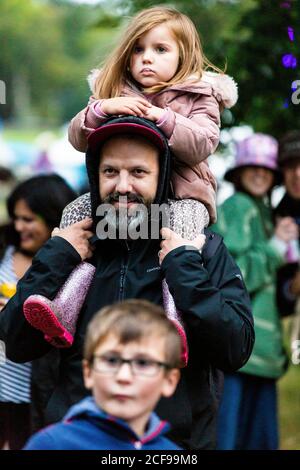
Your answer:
<point x="41" y="317"/>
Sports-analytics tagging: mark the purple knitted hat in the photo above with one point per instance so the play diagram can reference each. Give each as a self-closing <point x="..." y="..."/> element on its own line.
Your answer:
<point x="257" y="150"/>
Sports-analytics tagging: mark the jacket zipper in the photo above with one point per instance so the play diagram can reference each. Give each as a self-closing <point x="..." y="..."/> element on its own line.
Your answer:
<point x="123" y="271"/>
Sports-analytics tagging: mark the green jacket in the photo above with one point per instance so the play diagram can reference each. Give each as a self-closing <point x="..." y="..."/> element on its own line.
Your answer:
<point x="246" y="225"/>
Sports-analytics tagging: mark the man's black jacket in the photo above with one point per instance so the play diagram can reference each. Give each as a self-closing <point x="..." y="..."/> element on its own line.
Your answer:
<point x="208" y="290"/>
<point x="211" y="297"/>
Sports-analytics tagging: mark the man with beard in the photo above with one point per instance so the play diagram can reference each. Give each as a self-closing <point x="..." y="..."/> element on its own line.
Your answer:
<point x="288" y="287"/>
<point x="130" y="157"/>
<point x="125" y="198"/>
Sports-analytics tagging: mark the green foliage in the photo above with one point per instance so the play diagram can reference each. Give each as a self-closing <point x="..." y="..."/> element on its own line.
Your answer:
<point x="256" y="59"/>
<point x="48" y="47"/>
<point x="249" y="38"/>
<point x="289" y="409"/>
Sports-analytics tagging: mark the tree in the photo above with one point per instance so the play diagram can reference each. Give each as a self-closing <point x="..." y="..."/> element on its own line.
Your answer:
<point x="257" y="57"/>
<point x="47" y="49"/>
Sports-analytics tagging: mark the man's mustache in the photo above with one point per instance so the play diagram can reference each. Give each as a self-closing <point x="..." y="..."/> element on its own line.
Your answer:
<point x="131" y="197"/>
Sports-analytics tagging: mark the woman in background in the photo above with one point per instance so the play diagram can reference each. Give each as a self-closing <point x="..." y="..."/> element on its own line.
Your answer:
<point x="35" y="208"/>
<point x="248" y="411"/>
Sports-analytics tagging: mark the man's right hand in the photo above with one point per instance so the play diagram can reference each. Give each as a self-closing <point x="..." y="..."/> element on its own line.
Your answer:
<point x="78" y="236"/>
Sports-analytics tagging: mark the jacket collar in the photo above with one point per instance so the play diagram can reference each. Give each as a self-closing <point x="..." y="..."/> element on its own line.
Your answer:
<point x="88" y="408"/>
<point x="220" y="85"/>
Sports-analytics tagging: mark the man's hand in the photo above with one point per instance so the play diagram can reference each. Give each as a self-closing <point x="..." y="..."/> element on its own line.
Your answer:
<point x="134" y="106"/>
<point x="78" y="236"/>
<point x="172" y="241"/>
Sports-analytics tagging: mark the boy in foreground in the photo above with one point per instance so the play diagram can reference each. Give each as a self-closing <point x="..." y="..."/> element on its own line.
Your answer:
<point x="131" y="358"/>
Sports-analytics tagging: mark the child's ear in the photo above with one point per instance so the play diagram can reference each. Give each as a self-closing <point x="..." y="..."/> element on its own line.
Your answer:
<point x="87" y="374"/>
<point x="171" y="380"/>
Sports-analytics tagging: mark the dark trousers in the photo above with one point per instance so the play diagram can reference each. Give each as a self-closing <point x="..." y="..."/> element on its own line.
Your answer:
<point x="14" y="424"/>
<point x="248" y="414"/>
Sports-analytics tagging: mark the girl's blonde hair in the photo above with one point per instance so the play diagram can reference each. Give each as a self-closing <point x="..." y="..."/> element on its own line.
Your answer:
<point x="192" y="61"/>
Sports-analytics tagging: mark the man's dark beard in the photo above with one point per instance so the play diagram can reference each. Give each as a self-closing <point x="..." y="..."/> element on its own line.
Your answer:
<point x="132" y="221"/>
<point x="131" y="197"/>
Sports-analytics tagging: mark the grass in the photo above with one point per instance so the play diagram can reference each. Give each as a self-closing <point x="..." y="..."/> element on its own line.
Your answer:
<point x="24" y="135"/>
<point x="289" y="406"/>
<point x="289" y="409"/>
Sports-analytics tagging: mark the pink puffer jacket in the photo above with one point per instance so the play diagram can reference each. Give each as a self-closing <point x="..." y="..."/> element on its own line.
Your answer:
<point x="192" y="128"/>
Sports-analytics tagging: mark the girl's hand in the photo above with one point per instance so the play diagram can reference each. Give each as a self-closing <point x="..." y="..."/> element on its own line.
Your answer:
<point x="172" y="241"/>
<point x="154" y="113"/>
<point x="135" y="106"/>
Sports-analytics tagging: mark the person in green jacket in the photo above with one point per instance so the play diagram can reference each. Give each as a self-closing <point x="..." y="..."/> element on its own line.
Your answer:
<point x="248" y="412"/>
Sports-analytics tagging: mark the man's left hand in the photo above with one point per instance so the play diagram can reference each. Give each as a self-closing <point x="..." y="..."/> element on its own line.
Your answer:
<point x="172" y="241"/>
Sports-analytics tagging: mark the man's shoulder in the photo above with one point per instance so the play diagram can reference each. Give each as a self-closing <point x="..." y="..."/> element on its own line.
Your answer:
<point x="213" y="242"/>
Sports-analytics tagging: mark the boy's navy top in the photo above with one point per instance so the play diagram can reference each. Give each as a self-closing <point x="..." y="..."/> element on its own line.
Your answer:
<point x="87" y="427"/>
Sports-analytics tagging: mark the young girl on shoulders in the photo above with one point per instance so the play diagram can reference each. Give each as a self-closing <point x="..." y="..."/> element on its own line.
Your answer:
<point x="157" y="72"/>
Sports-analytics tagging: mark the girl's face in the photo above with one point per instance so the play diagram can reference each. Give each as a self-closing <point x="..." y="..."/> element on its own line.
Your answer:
<point x="32" y="229"/>
<point x="155" y="57"/>
<point x="257" y="180"/>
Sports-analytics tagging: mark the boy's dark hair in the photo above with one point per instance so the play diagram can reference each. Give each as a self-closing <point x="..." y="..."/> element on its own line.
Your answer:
<point x="133" y="320"/>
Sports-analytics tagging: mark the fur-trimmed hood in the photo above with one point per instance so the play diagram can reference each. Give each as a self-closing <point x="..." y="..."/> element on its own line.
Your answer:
<point x="223" y="86"/>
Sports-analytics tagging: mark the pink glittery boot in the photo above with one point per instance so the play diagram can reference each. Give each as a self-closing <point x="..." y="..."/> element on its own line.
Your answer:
<point x="188" y="219"/>
<point x="57" y="318"/>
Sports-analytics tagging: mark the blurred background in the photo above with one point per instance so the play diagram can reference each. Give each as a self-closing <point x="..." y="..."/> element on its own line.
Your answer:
<point x="49" y="46"/>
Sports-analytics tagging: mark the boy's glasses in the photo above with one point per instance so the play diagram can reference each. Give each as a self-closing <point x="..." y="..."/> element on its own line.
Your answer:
<point x="110" y="364"/>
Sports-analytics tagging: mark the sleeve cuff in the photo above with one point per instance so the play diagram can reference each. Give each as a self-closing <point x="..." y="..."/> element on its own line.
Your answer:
<point x="163" y="118"/>
<point x="177" y="252"/>
<point x="167" y="122"/>
<point x="94" y="115"/>
<point x="98" y="110"/>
